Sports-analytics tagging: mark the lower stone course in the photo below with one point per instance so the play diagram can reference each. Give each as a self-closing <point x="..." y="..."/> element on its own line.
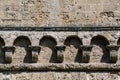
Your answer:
<point x="59" y="76"/>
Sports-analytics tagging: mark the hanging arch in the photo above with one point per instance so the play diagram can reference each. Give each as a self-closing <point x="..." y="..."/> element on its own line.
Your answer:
<point x="48" y="44"/>
<point x="48" y="39"/>
<point x="73" y="52"/>
<point x="102" y="43"/>
<point x="22" y="39"/>
<point x="99" y="39"/>
<point x="73" y="40"/>
<point x="22" y="53"/>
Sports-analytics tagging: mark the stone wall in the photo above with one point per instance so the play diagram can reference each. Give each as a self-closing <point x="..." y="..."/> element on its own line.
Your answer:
<point x="81" y="55"/>
<point x="59" y="13"/>
<point x="59" y="40"/>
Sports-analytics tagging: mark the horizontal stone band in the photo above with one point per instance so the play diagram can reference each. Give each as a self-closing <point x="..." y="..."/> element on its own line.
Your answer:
<point x="60" y="67"/>
<point x="111" y="28"/>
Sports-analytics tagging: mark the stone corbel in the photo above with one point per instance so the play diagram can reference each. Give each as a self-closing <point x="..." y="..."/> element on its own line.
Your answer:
<point x="60" y="55"/>
<point x="8" y="52"/>
<point x="113" y="53"/>
<point x="86" y="50"/>
<point x="35" y="52"/>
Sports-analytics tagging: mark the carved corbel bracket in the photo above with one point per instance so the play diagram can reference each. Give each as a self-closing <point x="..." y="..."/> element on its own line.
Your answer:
<point x="113" y="53"/>
<point x="86" y="50"/>
<point x="8" y="52"/>
<point x="60" y="55"/>
<point x="35" y="52"/>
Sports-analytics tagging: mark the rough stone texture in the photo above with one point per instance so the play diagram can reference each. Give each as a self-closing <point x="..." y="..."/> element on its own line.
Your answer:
<point x="58" y="76"/>
<point x="39" y="76"/>
<point x="102" y="76"/>
<point x="21" y="58"/>
<point x="59" y="12"/>
<point x="48" y="53"/>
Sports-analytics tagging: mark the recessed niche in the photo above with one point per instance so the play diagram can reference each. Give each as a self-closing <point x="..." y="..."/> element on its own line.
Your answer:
<point x="48" y="52"/>
<point x="99" y="52"/>
<point x="22" y="54"/>
<point x="73" y="52"/>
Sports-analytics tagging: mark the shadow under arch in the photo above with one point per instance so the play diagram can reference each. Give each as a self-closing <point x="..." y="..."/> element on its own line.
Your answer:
<point x="2" y="43"/>
<point x="49" y="42"/>
<point x="102" y="42"/>
<point x="23" y="52"/>
<point x="75" y="41"/>
<point x="118" y="42"/>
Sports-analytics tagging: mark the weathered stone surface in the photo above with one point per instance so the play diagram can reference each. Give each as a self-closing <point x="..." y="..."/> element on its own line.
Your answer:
<point x="72" y="53"/>
<point x="102" y="76"/>
<point x="59" y="13"/>
<point x="58" y="76"/>
<point x="35" y="27"/>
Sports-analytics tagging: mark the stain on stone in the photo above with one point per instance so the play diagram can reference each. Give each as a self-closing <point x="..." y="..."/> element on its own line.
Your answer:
<point x="108" y="14"/>
<point x="80" y="7"/>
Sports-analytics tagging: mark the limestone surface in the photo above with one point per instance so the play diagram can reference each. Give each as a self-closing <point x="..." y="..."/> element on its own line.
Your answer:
<point x="59" y="13"/>
<point x="59" y="40"/>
